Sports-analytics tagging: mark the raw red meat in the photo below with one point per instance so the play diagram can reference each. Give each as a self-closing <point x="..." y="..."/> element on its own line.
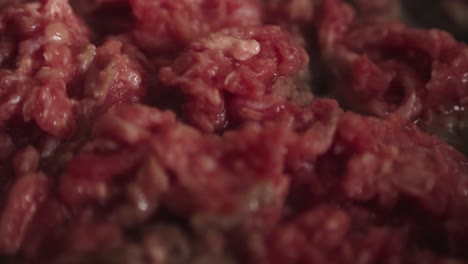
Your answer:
<point x="388" y="68"/>
<point x="193" y="132"/>
<point x="237" y="74"/>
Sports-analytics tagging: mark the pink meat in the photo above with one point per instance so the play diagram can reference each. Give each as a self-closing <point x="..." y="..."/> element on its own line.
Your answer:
<point x="202" y="166"/>
<point x="192" y="132"/>
<point x="165" y="24"/>
<point x="329" y="186"/>
<point x="389" y="68"/>
<point x="47" y="58"/>
<point x="23" y="201"/>
<point x="42" y="46"/>
<point x="235" y="75"/>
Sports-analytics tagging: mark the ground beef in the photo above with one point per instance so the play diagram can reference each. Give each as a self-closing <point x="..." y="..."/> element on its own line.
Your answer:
<point x="102" y="199"/>
<point x="237" y="74"/>
<point x="47" y="58"/>
<point x="347" y="207"/>
<point x="40" y="55"/>
<point x="113" y="77"/>
<point x="181" y="132"/>
<point x="167" y="24"/>
<point x="164" y="27"/>
<point x="388" y="68"/>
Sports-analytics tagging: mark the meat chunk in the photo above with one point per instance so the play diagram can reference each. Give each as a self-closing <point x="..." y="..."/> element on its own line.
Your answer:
<point x="40" y="55"/>
<point x="165" y="24"/>
<point x="47" y="59"/>
<point x="173" y="132"/>
<point x="390" y="69"/>
<point x="235" y="75"/>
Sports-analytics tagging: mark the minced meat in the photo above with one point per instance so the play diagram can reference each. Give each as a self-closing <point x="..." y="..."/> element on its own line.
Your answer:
<point x="253" y="131"/>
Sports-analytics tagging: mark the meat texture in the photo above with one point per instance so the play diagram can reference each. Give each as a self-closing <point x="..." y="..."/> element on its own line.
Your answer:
<point x="390" y="69"/>
<point x="237" y="74"/>
<point x="193" y="132"/>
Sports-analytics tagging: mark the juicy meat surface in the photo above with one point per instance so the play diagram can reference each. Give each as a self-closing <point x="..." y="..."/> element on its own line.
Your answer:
<point x="251" y="131"/>
<point x="235" y="75"/>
